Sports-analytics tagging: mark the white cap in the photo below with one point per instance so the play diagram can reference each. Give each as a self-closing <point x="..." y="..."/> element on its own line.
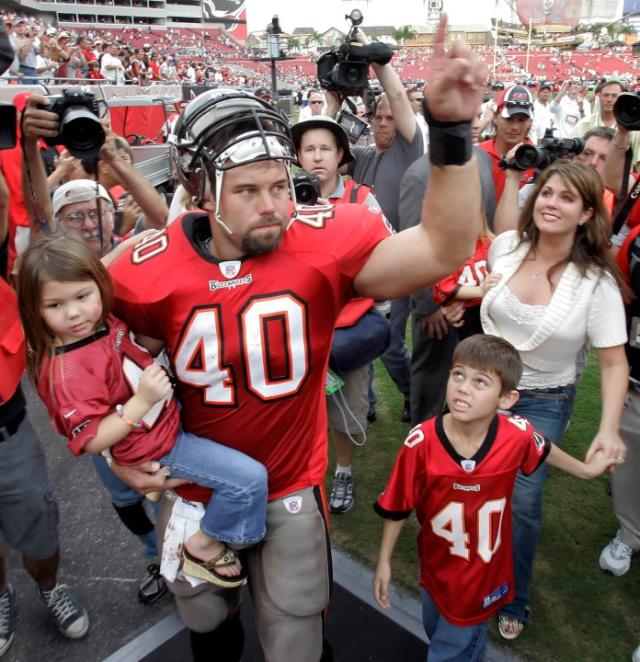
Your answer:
<point x="78" y="190"/>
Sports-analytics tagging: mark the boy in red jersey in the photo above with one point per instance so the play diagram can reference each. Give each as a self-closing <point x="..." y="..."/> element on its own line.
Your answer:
<point x="457" y="470"/>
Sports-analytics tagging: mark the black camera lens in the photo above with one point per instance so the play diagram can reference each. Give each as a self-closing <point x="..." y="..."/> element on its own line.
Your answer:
<point x="81" y="132"/>
<point x="307" y="187"/>
<point x="627" y="111"/>
<point x="527" y="156"/>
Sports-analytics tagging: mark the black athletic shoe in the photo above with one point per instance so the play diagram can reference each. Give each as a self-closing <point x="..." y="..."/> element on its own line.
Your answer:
<point x="371" y="415"/>
<point x="152" y="587"/>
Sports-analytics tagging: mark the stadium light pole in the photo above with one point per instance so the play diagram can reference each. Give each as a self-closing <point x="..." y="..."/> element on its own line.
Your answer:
<point x="274" y="55"/>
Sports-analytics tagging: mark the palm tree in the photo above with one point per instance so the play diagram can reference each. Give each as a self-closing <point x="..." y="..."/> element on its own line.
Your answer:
<point x="402" y="34"/>
<point x="293" y="43"/>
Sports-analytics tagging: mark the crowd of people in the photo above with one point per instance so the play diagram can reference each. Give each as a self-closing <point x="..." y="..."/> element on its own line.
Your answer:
<point x="220" y="341"/>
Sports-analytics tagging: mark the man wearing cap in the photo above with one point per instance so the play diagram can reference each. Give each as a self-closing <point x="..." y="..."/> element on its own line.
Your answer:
<point x="322" y="146"/>
<point x="512" y="119"/>
<point x="542" y="116"/>
<point x="60" y="52"/>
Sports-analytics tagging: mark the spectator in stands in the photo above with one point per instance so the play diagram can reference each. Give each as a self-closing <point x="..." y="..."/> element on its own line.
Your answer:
<point x="45" y="66"/>
<point x="26" y="44"/>
<point x="111" y="66"/>
<point x="60" y="52"/>
<point x="512" y="120"/>
<point x="568" y="108"/>
<point x="94" y="71"/>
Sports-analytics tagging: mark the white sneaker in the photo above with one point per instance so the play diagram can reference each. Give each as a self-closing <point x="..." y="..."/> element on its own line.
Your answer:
<point x="616" y="557"/>
<point x="636" y="655"/>
<point x="7" y="618"/>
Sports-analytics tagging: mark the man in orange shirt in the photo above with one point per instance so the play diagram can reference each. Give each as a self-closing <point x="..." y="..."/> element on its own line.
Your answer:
<point x="513" y="119"/>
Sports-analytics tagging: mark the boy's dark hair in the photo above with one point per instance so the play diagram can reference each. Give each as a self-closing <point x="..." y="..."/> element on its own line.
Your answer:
<point x="492" y="354"/>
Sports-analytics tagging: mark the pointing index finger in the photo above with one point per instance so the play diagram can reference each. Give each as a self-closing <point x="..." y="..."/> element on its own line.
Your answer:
<point x="439" y="41"/>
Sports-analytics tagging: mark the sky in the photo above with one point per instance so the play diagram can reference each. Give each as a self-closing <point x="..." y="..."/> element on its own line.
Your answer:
<point x="323" y="14"/>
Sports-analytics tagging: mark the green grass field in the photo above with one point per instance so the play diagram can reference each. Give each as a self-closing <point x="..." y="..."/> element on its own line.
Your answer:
<point x="579" y="612"/>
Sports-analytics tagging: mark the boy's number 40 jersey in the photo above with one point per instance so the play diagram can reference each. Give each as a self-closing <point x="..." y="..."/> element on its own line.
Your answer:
<point x="249" y="339"/>
<point x="463" y="507"/>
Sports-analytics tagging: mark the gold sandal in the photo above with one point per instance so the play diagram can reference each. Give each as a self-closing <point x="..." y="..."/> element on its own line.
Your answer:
<point x="206" y="569"/>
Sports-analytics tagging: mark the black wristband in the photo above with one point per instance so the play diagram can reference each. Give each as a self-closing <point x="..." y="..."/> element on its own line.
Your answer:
<point x="449" y="142"/>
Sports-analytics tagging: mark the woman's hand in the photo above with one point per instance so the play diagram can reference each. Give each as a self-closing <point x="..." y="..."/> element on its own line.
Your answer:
<point x="611" y="445"/>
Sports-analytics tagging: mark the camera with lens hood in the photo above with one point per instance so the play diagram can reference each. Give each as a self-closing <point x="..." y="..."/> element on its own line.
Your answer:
<point x="80" y="129"/>
<point x="307" y="187"/>
<point x="346" y="69"/>
<point x="626" y="110"/>
<point x="544" y="153"/>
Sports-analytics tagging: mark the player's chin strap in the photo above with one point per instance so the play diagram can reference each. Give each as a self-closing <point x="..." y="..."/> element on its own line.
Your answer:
<point x="250" y="150"/>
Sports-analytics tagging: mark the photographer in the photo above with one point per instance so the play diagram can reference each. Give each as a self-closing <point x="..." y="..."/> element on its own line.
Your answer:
<point x="114" y="165"/>
<point x="512" y="120"/>
<point x="322" y="146"/>
<point x="398" y="143"/>
<point x="613" y="174"/>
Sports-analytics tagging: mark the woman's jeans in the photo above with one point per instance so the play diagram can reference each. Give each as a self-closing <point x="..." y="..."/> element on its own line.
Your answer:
<point x="237" y="510"/>
<point x="549" y="411"/>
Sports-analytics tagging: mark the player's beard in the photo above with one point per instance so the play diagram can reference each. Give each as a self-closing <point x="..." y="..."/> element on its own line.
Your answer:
<point x="259" y="245"/>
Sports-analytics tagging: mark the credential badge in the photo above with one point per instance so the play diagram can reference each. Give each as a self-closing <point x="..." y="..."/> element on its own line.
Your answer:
<point x="293" y="504"/>
<point x="230" y="269"/>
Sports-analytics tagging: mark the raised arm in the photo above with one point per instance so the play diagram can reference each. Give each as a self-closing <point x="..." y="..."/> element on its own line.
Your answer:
<point x="36" y="124"/>
<point x="451" y="211"/>
<point x="614" y="163"/>
<point x="403" y="114"/>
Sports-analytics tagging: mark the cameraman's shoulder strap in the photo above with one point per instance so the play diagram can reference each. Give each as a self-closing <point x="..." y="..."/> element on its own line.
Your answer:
<point x="625" y="202"/>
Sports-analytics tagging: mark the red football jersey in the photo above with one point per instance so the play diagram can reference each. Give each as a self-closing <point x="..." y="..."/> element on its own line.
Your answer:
<point x="471" y="274"/>
<point x="83" y="383"/>
<point x="464" y="510"/>
<point x="249" y="339"/>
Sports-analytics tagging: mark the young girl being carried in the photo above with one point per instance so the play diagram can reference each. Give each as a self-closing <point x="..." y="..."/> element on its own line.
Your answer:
<point x="104" y="392"/>
<point x="468" y="285"/>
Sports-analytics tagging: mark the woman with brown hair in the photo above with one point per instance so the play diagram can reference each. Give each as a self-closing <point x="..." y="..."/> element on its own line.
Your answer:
<point x="559" y="290"/>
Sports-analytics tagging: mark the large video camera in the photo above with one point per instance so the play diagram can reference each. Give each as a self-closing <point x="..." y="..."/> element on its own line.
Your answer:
<point x="626" y="110"/>
<point x="80" y="129"/>
<point x="346" y="68"/>
<point x="544" y="153"/>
